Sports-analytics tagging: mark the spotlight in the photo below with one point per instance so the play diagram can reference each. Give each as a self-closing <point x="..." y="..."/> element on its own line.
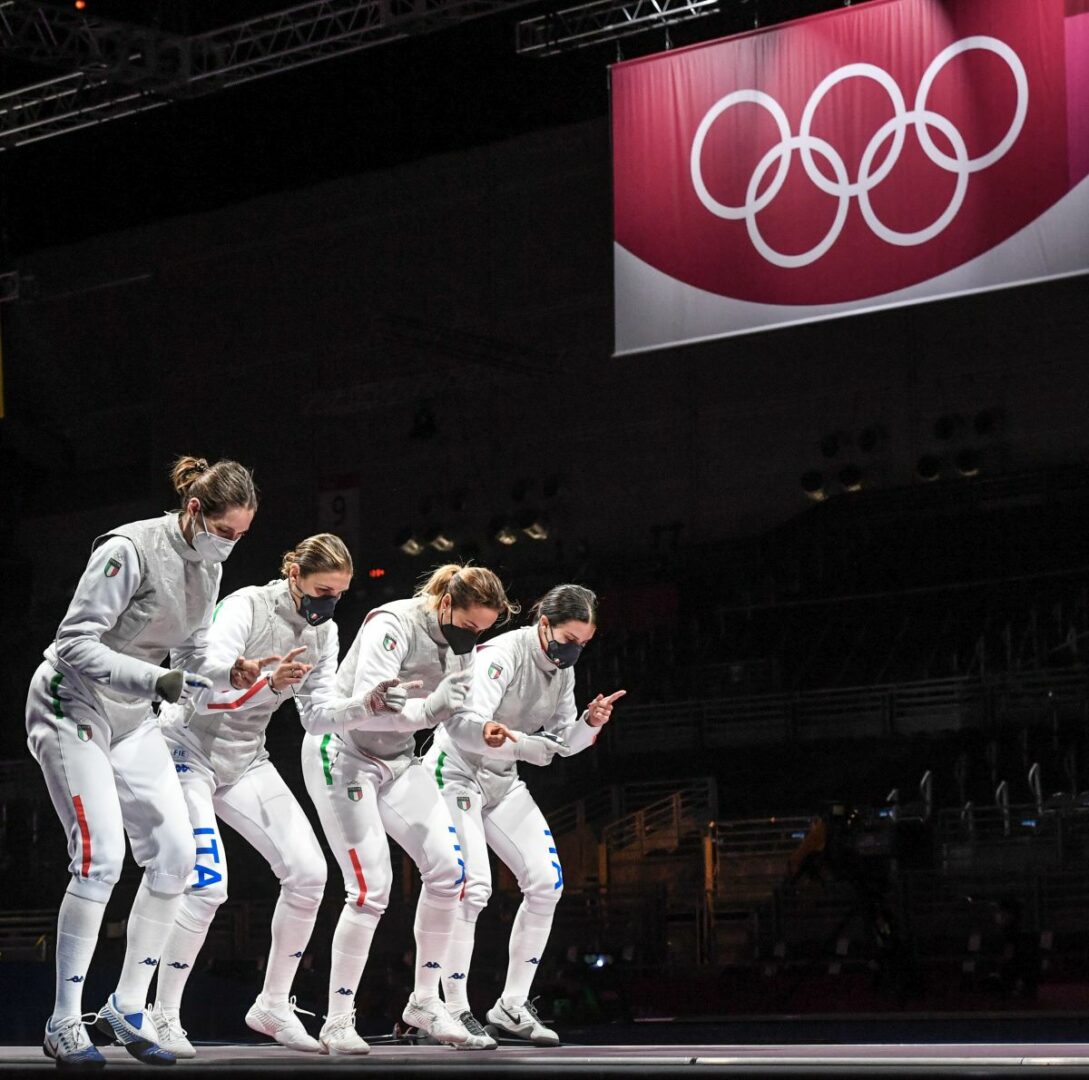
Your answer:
<point x="967" y="462"/>
<point x="928" y="468"/>
<point x="438" y="539"/>
<point x="850" y="477"/>
<point x="813" y="486"/>
<point x="408" y="542"/>
<point x="533" y="525"/>
<point x="506" y="535"/>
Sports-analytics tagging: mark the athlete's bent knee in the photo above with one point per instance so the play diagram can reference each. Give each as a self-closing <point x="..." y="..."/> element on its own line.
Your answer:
<point x="476" y="896"/>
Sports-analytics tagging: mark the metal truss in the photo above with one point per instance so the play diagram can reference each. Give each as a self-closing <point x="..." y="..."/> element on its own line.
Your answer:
<point x="124" y="69"/>
<point x="604" y="20"/>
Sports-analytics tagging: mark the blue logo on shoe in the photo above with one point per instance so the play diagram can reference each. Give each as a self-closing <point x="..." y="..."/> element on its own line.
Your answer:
<point x="432" y="964"/>
<point x="177" y="965"/>
<point x="74" y="978"/>
<point x="457" y="975"/>
<point x="150" y="961"/>
<point x="296" y="955"/>
<point x="533" y="960"/>
<point x="345" y="991"/>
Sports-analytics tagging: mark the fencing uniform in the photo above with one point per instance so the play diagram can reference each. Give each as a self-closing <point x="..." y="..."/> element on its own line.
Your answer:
<point x="217" y="741"/>
<point x="144" y="594"/>
<point x="515" y="684"/>
<point x="367" y="783"/>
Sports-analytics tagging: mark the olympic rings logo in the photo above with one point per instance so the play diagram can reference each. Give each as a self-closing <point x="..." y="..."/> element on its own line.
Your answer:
<point x="869" y="176"/>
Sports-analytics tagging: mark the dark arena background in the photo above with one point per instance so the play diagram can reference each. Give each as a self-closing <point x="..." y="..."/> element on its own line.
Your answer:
<point x="840" y="822"/>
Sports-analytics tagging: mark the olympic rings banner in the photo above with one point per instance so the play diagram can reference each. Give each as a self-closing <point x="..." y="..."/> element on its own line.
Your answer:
<point x="883" y="154"/>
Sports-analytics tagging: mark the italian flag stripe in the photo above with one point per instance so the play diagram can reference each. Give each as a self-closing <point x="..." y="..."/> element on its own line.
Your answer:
<point x="438" y="768"/>
<point x="84" y="834"/>
<point x="326" y="764"/>
<point x="361" y="899"/>
<point x="240" y="700"/>
<point x="54" y="689"/>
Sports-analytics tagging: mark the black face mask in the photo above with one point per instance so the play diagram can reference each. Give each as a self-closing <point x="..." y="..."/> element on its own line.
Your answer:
<point x="563" y="653"/>
<point x="316" y="609"/>
<point x="460" y="640"/>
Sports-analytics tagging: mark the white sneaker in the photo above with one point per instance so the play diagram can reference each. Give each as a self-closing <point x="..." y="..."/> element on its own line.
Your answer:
<point x="171" y="1033"/>
<point x="68" y="1044"/>
<point x="478" y="1039"/>
<point x="135" y="1031"/>
<point x="281" y="1023"/>
<point x="432" y="1018"/>
<point x="338" y="1036"/>
<point x="521" y="1022"/>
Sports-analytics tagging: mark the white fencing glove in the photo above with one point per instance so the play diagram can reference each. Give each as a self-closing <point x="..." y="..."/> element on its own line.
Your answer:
<point x="538" y="749"/>
<point x="178" y="685"/>
<point x="444" y="700"/>
<point x="387" y="697"/>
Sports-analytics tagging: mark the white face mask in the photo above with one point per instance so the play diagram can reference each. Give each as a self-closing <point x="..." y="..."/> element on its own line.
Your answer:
<point x="212" y="548"/>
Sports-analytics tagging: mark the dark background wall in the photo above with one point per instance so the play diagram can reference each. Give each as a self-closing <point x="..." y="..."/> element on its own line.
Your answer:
<point x="438" y="336"/>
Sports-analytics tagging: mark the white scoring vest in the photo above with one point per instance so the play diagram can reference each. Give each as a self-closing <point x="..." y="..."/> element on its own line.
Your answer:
<point x="176" y="590"/>
<point x="425" y="660"/>
<point x="228" y="741"/>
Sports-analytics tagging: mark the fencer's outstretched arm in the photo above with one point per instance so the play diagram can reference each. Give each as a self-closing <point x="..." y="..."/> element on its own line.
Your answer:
<point x="217" y="648"/>
<point x="322" y="711"/>
<point x="581" y="731"/>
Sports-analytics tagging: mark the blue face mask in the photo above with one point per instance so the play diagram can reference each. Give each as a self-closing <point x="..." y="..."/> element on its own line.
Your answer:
<point x="563" y="653"/>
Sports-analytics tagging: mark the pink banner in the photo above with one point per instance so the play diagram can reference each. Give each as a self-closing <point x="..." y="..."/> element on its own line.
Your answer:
<point x="883" y="154"/>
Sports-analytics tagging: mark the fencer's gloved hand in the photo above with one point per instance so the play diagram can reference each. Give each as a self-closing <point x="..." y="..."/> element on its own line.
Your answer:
<point x="539" y="749"/>
<point x="178" y="685"/>
<point x="444" y="700"/>
<point x="387" y="697"/>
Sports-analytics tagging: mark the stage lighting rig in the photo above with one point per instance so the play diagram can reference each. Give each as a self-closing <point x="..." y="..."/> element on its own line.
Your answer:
<point x="604" y="20"/>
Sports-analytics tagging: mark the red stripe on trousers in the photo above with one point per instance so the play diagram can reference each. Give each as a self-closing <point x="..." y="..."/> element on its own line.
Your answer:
<point x="358" y="876"/>
<point x="84" y="834"/>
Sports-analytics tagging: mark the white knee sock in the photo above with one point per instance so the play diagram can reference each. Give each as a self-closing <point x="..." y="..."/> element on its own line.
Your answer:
<point x="181" y="950"/>
<point x="78" y="923"/>
<point x="351" y="947"/>
<point x="150" y="923"/>
<point x="434" y="923"/>
<point x="455" y="975"/>
<point x="292" y="925"/>
<point x="528" y="938"/>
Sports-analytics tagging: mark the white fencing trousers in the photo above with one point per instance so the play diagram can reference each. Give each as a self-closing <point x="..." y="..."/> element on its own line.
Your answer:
<point x="359" y="804"/>
<point x="516" y="830"/>
<point x="104" y="788"/>
<point x="260" y="807"/>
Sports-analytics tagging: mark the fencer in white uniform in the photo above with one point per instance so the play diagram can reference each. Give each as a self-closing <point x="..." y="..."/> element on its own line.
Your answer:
<point x="523" y="686"/>
<point x="217" y="741"/>
<point x="367" y="783"/>
<point x="134" y="633"/>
